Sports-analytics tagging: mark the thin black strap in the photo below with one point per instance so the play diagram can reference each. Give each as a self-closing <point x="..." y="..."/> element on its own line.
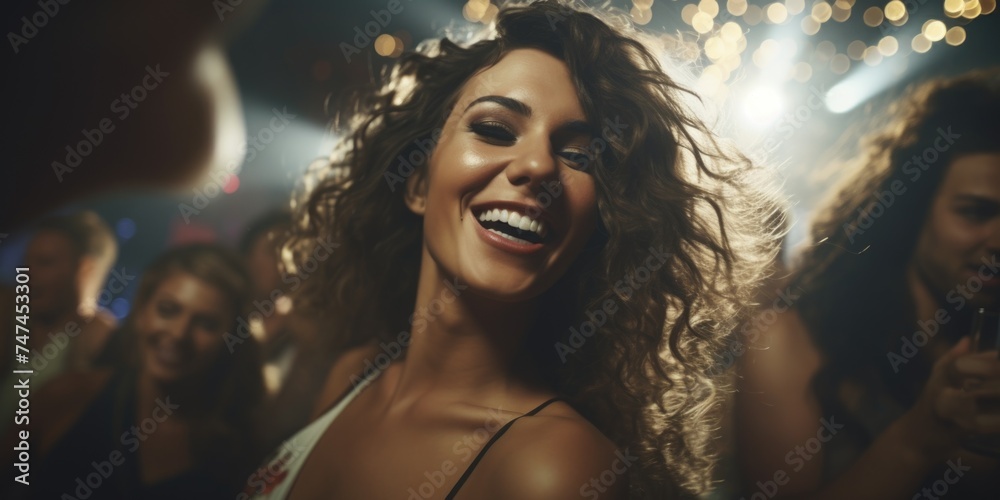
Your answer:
<point x="482" y="452"/>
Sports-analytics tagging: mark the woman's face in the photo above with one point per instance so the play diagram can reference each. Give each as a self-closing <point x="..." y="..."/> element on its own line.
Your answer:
<point x="181" y="327"/>
<point x="509" y="200"/>
<point x="958" y="250"/>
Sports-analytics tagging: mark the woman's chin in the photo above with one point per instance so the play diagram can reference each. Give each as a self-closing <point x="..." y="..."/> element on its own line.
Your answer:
<point x="164" y="374"/>
<point x="504" y="289"/>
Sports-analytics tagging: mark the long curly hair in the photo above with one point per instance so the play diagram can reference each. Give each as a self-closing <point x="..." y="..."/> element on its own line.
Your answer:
<point x="853" y="277"/>
<point x="666" y="185"/>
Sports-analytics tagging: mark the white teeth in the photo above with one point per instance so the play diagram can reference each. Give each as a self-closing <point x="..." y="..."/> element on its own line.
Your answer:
<point x="514" y="219"/>
<point x="509" y="237"/>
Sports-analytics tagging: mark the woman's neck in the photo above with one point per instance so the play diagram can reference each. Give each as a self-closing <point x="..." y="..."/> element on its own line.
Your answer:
<point x="463" y="347"/>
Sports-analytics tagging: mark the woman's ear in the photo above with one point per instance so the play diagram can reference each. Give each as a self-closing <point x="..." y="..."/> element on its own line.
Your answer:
<point x="416" y="192"/>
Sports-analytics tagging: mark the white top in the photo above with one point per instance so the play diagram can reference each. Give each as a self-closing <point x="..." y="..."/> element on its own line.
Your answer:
<point x="274" y="481"/>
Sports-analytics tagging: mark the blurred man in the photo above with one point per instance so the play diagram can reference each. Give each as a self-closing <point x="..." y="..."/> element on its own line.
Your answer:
<point x="69" y="259"/>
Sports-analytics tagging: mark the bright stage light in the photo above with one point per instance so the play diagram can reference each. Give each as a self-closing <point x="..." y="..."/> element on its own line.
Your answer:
<point x="838" y="99"/>
<point x="762" y="105"/>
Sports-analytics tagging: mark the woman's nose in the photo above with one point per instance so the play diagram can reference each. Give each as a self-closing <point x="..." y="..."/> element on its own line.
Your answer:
<point x="534" y="163"/>
<point x="179" y="329"/>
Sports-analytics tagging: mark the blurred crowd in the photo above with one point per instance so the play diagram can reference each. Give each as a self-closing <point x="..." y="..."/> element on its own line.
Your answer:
<point x="211" y="368"/>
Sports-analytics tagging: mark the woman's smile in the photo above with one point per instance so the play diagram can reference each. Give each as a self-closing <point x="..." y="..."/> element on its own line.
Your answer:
<point x="518" y="228"/>
<point x="512" y="160"/>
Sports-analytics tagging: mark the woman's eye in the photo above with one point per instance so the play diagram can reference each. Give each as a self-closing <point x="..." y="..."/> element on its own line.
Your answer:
<point x="577" y="159"/>
<point x="976" y="213"/>
<point x="494" y="131"/>
<point x="167" y="309"/>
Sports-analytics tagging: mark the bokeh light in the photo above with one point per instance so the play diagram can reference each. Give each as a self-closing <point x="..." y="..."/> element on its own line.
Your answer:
<point x="934" y="30"/>
<point x="873" y="16"/>
<point x="810" y="25"/>
<point x="777" y="13"/>
<point x="856" y="50"/>
<point x="702" y="22"/>
<point x="920" y="43"/>
<point x="822" y="12"/>
<point x="688" y="12"/>
<point x="120" y="308"/>
<point x="888" y="46"/>
<point x="125" y="228"/>
<point x="795" y="7"/>
<point x="736" y="7"/>
<point x="840" y="63"/>
<point x="710" y="7"/>
<point x="955" y="36"/>
<point x="895" y="10"/>
<point x="641" y="16"/>
<point x="232" y="184"/>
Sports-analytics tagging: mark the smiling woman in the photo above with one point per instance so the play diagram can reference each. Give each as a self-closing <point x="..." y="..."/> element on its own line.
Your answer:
<point x="875" y="334"/>
<point x="552" y="174"/>
<point x="173" y="419"/>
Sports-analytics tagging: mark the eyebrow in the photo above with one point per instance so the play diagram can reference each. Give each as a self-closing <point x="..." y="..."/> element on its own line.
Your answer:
<point x="975" y="198"/>
<point x="511" y="104"/>
<point x="577" y="126"/>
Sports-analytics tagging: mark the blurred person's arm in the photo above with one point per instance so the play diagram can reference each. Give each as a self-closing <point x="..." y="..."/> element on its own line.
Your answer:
<point x="92" y="341"/>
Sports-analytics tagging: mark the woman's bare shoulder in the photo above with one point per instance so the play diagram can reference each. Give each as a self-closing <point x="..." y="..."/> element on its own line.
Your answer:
<point x="778" y="347"/>
<point x="558" y="454"/>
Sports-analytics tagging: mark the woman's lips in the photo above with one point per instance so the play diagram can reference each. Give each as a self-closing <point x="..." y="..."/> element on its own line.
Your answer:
<point x="169" y="356"/>
<point x="506" y="244"/>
